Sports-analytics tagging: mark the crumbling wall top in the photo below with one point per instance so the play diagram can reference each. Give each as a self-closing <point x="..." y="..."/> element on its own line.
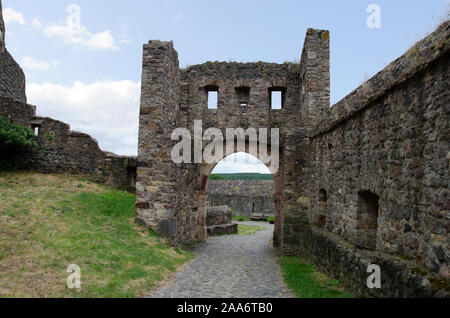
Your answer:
<point x="417" y="58"/>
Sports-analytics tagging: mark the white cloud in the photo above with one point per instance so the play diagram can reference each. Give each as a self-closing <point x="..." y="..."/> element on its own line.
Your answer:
<point x="36" y="23"/>
<point x="80" y="36"/>
<point x="101" y="41"/>
<point x="107" y="110"/>
<point x="29" y="63"/>
<point x="10" y="15"/>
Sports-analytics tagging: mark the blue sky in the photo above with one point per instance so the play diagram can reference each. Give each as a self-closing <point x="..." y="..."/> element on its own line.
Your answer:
<point x="90" y="78"/>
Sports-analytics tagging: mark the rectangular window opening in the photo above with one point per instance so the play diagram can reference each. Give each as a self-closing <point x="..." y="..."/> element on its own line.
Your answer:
<point x="212" y="99"/>
<point x="276" y="99"/>
<point x="243" y="95"/>
<point x="36" y="131"/>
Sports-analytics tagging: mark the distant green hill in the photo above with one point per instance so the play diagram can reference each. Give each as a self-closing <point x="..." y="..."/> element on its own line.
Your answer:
<point x="241" y="176"/>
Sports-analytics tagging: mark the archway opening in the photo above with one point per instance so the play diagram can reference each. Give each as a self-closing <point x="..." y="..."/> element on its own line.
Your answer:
<point x="246" y="186"/>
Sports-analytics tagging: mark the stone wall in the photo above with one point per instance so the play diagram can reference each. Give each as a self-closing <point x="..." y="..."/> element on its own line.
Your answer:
<point x="165" y="200"/>
<point x="62" y="150"/>
<point x="17" y="112"/>
<point x="378" y="178"/>
<point x="400" y="278"/>
<point x="243" y="196"/>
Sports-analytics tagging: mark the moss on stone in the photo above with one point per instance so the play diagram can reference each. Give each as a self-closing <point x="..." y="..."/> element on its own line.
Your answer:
<point x="439" y="284"/>
<point x="419" y="271"/>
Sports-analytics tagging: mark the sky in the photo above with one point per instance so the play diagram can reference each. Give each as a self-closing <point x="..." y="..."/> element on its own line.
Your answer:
<point x="86" y="71"/>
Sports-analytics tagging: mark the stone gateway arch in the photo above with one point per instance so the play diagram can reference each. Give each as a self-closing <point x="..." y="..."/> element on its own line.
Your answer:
<point x="362" y="182"/>
<point x="171" y="197"/>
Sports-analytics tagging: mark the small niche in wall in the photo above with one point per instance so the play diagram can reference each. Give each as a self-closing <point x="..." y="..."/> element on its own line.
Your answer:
<point x="367" y="220"/>
<point x="243" y="95"/>
<point x="277" y="97"/>
<point x="131" y="177"/>
<point x="212" y="93"/>
<point x="322" y="208"/>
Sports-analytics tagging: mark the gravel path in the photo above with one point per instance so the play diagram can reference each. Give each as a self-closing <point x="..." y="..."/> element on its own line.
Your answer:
<point x="233" y="266"/>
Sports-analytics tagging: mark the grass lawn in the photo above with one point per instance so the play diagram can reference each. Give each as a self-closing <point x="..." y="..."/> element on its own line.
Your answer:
<point x="306" y="282"/>
<point x="241" y="218"/>
<point x="48" y="222"/>
<point x="249" y="229"/>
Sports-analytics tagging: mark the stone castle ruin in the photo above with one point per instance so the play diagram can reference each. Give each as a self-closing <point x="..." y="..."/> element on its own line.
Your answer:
<point x="362" y="182"/>
<point x="61" y="149"/>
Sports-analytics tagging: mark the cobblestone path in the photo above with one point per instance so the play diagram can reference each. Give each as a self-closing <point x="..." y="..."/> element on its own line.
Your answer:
<point x="233" y="266"/>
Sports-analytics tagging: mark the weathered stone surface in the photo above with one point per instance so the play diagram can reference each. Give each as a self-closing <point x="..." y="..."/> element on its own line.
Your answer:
<point x="400" y="278"/>
<point x="12" y="78"/>
<point x="222" y="229"/>
<point x="243" y="196"/>
<point x="219" y="221"/>
<point x="218" y="215"/>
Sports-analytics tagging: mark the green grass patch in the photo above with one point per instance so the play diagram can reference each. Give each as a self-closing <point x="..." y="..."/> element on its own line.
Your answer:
<point x="241" y="218"/>
<point x="306" y="282"/>
<point x="49" y="222"/>
<point x="249" y="229"/>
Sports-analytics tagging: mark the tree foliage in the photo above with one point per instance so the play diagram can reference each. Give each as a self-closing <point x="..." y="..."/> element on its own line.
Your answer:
<point x="15" y="137"/>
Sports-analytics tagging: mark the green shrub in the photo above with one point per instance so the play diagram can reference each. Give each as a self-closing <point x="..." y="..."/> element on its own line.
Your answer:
<point x="15" y="137"/>
<point x="14" y="141"/>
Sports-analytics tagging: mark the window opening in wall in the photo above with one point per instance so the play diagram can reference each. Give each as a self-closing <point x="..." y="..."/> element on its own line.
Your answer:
<point x="277" y="98"/>
<point x="213" y="96"/>
<point x="212" y="100"/>
<point x="243" y="95"/>
<point x="367" y="220"/>
<point x="36" y="130"/>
